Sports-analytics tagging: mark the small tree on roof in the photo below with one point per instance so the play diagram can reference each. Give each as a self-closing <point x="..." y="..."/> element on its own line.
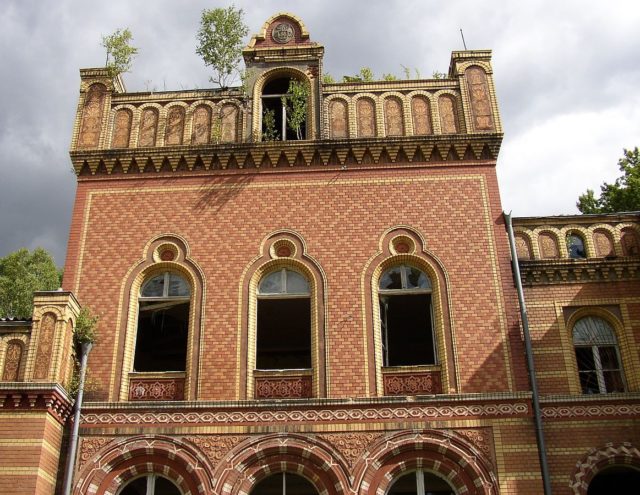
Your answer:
<point x="220" y="40"/>
<point x="120" y="53"/>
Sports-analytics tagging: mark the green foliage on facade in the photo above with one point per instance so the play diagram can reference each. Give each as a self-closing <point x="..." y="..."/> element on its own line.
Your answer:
<point x="269" y="133"/>
<point x="220" y="41"/>
<point x="297" y="102"/>
<point x="21" y="274"/>
<point x="120" y="53"/>
<point x="622" y="195"/>
<point x="85" y="329"/>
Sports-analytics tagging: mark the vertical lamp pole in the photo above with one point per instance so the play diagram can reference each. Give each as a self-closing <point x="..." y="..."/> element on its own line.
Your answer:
<point x="85" y="348"/>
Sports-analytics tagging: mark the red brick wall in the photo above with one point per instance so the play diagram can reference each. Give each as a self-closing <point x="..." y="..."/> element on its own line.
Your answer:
<point x="341" y="215"/>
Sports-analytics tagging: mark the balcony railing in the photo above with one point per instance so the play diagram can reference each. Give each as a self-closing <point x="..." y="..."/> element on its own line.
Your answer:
<point x="412" y="380"/>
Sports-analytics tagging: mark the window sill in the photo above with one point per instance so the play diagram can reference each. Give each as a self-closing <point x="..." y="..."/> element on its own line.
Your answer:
<point x="283" y="384"/>
<point x="412" y="380"/>
<point x="167" y="385"/>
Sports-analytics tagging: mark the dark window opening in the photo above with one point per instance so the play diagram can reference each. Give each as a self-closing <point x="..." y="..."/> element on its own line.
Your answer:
<point x="163" y="325"/>
<point x="150" y="485"/>
<point x="284" y="322"/>
<point x="407" y="331"/>
<point x="284" y="484"/>
<point x="406" y="320"/>
<point x="274" y="127"/>
<point x="575" y="244"/>
<point x="420" y="483"/>
<point x="616" y="479"/>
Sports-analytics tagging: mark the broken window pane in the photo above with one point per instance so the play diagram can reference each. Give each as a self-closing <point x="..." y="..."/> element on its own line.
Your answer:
<point x="163" y="324"/>
<point x="597" y="356"/>
<point x="405" y="317"/>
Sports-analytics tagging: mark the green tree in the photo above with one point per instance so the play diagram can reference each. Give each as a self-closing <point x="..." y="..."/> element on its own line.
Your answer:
<point x="120" y="53"/>
<point x="622" y="195"/>
<point x="327" y="78"/>
<point x="365" y="75"/>
<point x="389" y="77"/>
<point x="22" y="273"/>
<point x="296" y="101"/>
<point x="270" y="133"/>
<point x="220" y="41"/>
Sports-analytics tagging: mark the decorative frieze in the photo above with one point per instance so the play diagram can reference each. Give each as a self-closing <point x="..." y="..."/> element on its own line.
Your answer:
<point x="43" y="397"/>
<point x="283" y="387"/>
<point x="156" y="389"/>
<point x="406" y="150"/>
<point x="289" y="415"/>
<point x="545" y="272"/>
<point x="413" y="383"/>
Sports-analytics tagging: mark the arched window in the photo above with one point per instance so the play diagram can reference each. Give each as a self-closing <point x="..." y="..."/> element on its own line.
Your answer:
<point x="597" y="356"/>
<point x="420" y="483"/>
<point x="163" y="324"/>
<point x="284" y="321"/>
<point x="575" y="246"/>
<point x="406" y="319"/>
<point x="284" y="484"/>
<point x="283" y="113"/>
<point x="150" y="484"/>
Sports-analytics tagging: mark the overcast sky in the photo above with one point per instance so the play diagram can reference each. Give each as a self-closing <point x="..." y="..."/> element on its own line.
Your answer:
<point x="567" y="75"/>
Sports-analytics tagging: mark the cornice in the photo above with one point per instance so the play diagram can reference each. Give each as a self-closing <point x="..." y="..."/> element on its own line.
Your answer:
<point x="568" y="271"/>
<point x="459" y="149"/>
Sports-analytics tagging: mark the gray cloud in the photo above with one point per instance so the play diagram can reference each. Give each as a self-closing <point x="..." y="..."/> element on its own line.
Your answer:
<point x="566" y="75"/>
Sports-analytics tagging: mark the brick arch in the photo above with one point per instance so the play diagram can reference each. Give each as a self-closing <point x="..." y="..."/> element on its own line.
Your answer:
<point x="421" y="258"/>
<point x="266" y="261"/>
<point x="268" y="76"/>
<point x="598" y="459"/>
<point x="257" y="458"/>
<point x="119" y="462"/>
<point x="151" y="264"/>
<point x="443" y="453"/>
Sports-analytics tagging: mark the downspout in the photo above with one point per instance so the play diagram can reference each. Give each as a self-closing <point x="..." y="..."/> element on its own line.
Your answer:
<point x="85" y="348"/>
<point x="537" y="414"/>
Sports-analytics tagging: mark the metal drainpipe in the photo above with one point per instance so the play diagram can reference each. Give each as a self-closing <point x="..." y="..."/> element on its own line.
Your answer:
<point x="537" y="414"/>
<point x="73" y="443"/>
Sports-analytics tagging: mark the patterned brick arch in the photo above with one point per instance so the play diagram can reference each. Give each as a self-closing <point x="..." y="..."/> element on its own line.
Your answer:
<point x="445" y="453"/>
<point x="257" y="458"/>
<point x="598" y="459"/>
<point x="116" y="464"/>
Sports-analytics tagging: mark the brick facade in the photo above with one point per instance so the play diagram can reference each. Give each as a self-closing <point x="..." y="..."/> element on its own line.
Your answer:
<point x="180" y="183"/>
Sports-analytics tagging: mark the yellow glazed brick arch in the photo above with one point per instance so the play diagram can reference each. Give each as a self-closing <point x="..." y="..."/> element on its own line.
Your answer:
<point x="283" y="72"/>
<point x="527" y="235"/>
<point x="182" y="264"/>
<point x="4" y="342"/>
<point x="189" y="118"/>
<point x="241" y="131"/>
<point x="609" y="229"/>
<point x="135" y="122"/>
<point x="137" y="117"/>
<point x="353" y="114"/>
<point x="584" y="233"/>
<point x="491" y="87"/>
<point x="437" y="127"/>
<point x="438" y="330"/>
<point x="433" y="103"/>
<point x="326" y="107"/>
<point x="554" y="233"/>
<point x="630" y="363"/>
<point x="406" y="111"/>
<point x="162" y="124"/>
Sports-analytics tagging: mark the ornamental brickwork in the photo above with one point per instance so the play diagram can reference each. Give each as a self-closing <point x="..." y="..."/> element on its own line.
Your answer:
<point x="339" y="307"/>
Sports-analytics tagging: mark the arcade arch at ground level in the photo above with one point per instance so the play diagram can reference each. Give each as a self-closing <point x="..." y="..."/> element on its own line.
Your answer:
<point x="197" y="468"/>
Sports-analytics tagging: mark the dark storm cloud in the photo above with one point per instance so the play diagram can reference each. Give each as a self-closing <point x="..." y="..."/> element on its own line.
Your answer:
<point x="566" y="75"/>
